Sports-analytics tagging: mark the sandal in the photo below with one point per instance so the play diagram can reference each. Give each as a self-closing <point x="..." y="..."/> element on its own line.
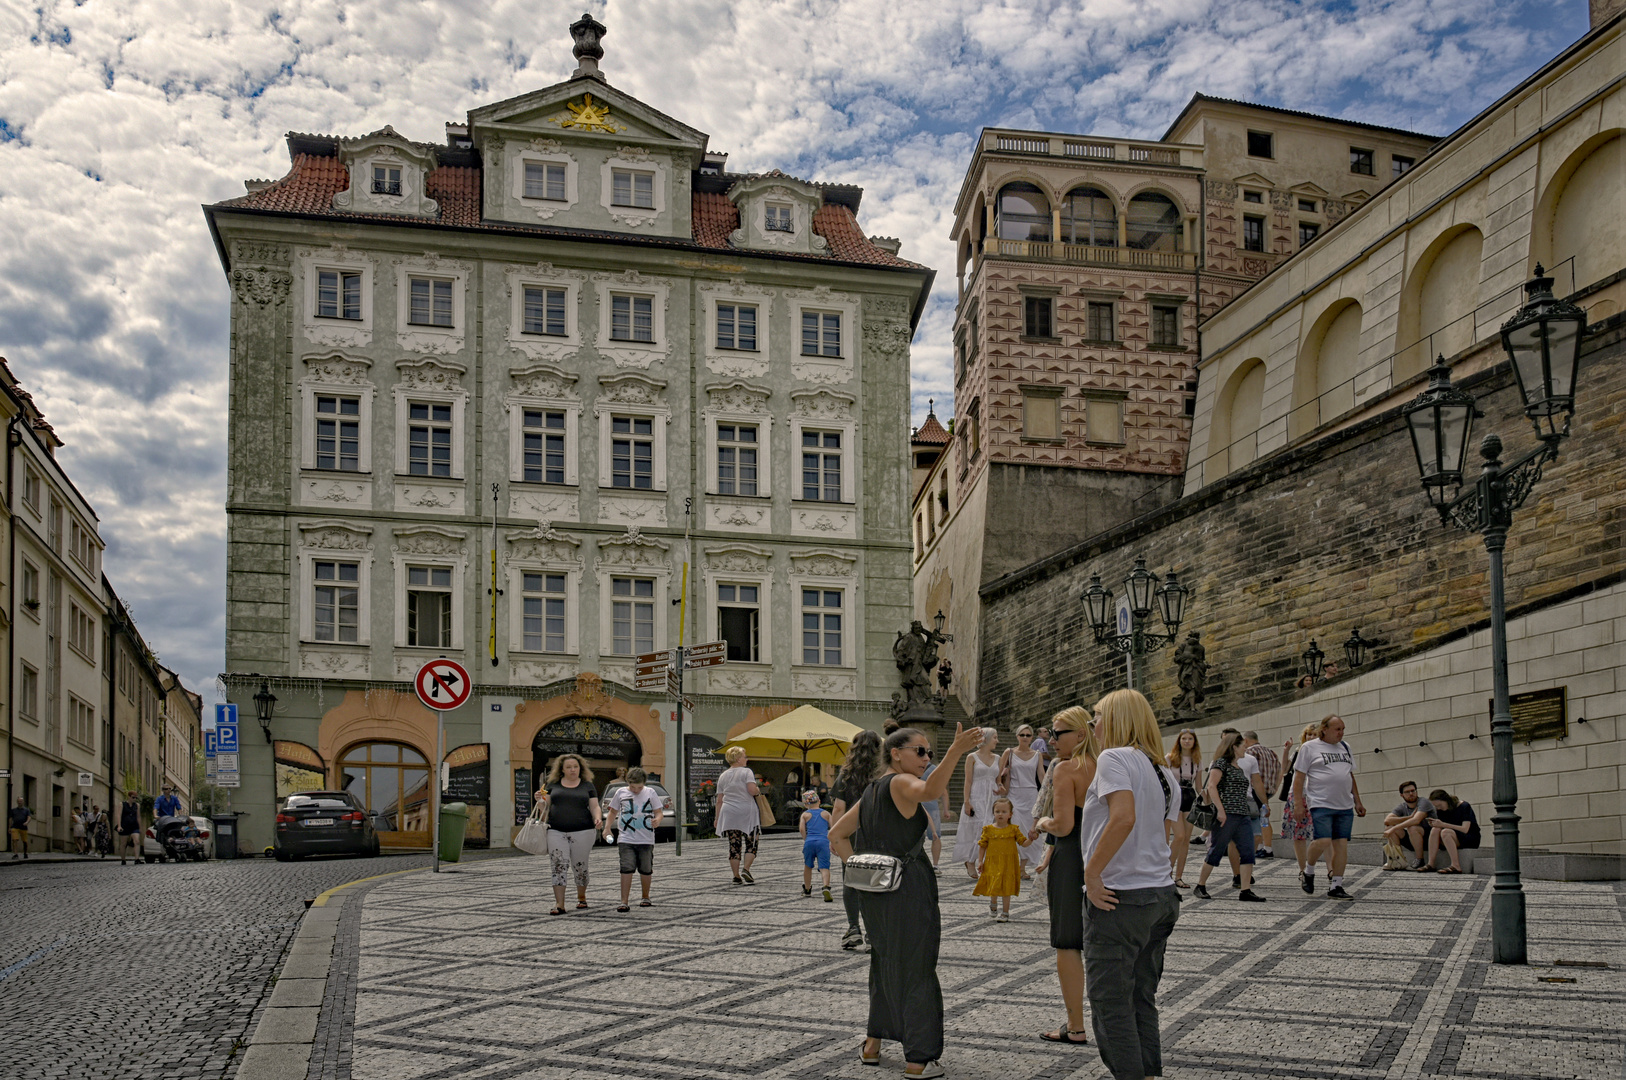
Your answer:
<point x="557" y="911"/>
<point x="581" y="904"/>
<point x="646" y="903"/>
<point x="1427" y="869"/>
<point x="623" y="908"/>
<point x="1448" y="870"/>
<point x="876" y="1060"/>
<point x="1065" y="1035"/>
<point x="1180" y="883"/>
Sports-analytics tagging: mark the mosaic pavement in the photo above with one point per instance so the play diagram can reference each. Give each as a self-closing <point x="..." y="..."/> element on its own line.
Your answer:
<point x="465" y="975"/>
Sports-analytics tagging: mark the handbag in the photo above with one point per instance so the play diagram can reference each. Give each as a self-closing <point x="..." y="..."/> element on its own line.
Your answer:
<point x="533" y="835"/>
<point x="872" y="872"/>
<point x="1202" y="815"/>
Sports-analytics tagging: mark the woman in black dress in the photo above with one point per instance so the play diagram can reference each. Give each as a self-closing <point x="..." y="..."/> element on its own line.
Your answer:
<point x="905" y="926"/>
<point x="1075" y="748"/>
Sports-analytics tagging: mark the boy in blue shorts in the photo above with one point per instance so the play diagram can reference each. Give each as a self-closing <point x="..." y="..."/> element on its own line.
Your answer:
<point x="815" y="829"/>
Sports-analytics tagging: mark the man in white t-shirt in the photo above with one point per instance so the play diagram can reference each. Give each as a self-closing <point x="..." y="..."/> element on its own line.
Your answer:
<point x="637" y="809"/>
<point x="1324" y="790"/>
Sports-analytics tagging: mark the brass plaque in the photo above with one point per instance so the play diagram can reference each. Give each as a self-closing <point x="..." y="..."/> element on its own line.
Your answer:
<point x="1539" y="714"/>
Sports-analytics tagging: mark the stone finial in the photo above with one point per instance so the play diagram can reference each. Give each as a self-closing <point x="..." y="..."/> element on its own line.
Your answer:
<point x="588" y="33"/>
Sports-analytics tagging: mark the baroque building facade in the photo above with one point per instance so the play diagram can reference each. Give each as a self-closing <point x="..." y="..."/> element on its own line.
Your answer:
<point x="562" y="357"/>
<point x="1085" y="267"/>
<point x="1301" y="516"/>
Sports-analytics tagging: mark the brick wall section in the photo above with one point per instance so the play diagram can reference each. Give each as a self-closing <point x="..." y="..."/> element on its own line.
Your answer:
<point x="1311" y="543"/>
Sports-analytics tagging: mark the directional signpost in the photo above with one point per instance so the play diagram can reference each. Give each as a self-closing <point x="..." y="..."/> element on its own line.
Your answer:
<point x="442" y="685"/>
<point x="709" y="654"/>
<point x="664" y="671"/>
<point x="226" y="746"/>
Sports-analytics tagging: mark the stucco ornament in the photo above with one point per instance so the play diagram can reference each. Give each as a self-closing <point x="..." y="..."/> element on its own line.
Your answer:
<point x="737" y="560"/>
<point x="530" y="504"/>
<point x="631" y="390"/>
<point x="542" y="381"/>
<point x="739" y="397"/>
<point x="823" y="405"/>
<point x="261" y="285"/>
<point x="338" y="370"/>
<point x="745" y="517"/>
<point x="428" y="542"/>
<point x="539" y="672"/>
<point x="632" y="549"/>
<point x="336" y="537"/>
<point x="544" y="544"/>
<point x="430" y="375"/>
<point x="823" y="564"/>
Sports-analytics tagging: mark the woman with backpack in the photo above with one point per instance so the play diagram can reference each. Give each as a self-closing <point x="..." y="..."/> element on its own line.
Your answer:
<point x="1227" y="792"/>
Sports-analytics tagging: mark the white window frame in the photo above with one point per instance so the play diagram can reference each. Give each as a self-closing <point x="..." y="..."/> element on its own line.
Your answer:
<point x="849" y="457"/>
<point x="715" y="457"/>
<point x="662" y="578"/>
<point x="656" y="454"/>
<point x="848" y="654"/>
<point x="634" y="216"/>
<point x="788" y="210"/>
<point x="457" y="563"/>
<point x="763" y="580"/>
<point x="310" y="390"/>
<point x="527" y="162"/>
<point x="405" y="563"/>
<point x="32" y="482"/>
<point x="362" y="557"/>
<point x="543" y="152"/>
<point x="633" y="354"/>
<point x="843" y="334"/>
<point x="517" y="406"/>
<point x="825" y="370"/>
<point x="405" y="396"/>
<point x="738" y="363"/>
<point x="660" y="413"/>
<point x="81" y="722"/>
<point x="419" y="337"/>
<point x="543" y="346"/>
<point x="29" y="585"/>
<point x="343" y="333"/>
<point x="28" y="693"/>
<point x="517" y="569"/>
<point x="714" y="414"/>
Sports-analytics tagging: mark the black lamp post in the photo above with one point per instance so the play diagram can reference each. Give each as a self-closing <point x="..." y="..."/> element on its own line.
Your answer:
<point x="1145" y="594"/>
<point x="1355" y="648"/>
<point x="265" y="703"/>
<point x="1314" y="662"/>
<point x="1544" y="342"/>
<point x="937" y="625"/>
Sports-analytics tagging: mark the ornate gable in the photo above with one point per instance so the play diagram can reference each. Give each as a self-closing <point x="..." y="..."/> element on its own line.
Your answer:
<point x="776" y="214"/>
<point x="387" y="175"/>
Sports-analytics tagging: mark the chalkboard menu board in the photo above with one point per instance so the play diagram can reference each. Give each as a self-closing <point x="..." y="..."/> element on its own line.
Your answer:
<point x="703" y="762"/>
<point x="523" y="793"/>
<point x="470" y="774"/>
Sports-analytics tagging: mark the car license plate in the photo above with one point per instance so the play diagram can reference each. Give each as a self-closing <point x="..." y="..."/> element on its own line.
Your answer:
<point x="319" y="821"/>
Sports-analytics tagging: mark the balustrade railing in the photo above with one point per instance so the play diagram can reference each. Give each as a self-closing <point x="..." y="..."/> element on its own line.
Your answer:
<point x="1089" y="254"/>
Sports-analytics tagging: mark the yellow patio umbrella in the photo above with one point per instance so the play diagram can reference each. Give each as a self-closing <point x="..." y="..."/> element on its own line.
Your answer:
<point x="811" y="732"/>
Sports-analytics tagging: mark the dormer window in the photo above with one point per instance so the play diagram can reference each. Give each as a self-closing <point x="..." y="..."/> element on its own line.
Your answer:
<point x="778" y="219"/>
<point x="631" y="188"/>
<point x="386" y="180"/>
<point x="544" y="181"/>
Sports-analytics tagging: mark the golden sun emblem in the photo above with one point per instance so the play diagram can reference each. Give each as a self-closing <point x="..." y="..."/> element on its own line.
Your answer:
<point x="589" y="117"/>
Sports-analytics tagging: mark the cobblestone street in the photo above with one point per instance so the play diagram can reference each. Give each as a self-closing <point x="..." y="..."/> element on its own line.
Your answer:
<point x="465" y="975"/>
<point x="110" y="971"/>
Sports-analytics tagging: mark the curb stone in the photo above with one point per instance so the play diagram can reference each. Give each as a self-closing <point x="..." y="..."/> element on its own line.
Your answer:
<point x="286" y="1028"/>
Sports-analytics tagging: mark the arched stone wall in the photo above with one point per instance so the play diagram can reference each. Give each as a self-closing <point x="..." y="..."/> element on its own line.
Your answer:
<point x="1580" y="214"/>
<point x="1328" y="362"/>
<point x="1438" y="300"/>
<point x="1236" y="415"/>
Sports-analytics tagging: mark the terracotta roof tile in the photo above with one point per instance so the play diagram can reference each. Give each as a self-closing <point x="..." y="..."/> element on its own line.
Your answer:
<point x="931" y="432"/>
<point x="313" y="180"/>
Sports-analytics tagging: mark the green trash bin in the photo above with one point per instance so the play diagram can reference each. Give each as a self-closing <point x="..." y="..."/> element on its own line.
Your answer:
<point x="454" y="822"/>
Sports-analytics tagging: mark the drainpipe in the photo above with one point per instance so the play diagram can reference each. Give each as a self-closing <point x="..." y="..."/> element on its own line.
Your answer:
<point x="13" y="440"/>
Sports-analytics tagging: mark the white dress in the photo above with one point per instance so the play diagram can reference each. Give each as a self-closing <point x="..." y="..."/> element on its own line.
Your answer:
<point x="1024" y="793"/>
<point x="739" y="812"/>
<point x="981" y="800"/>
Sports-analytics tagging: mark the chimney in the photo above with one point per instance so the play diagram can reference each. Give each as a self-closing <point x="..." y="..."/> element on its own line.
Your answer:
<point x="1604" y="10"/>
<point x="587" y="32"/>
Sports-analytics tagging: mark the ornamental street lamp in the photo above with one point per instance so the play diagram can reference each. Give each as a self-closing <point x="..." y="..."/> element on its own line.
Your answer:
<point x="1314" y="662"/>
<point x="1543" y="340"/>
<point x="265" y="703"/>
<point x="1145" y="595"/>
<point x="1355" y="648"/>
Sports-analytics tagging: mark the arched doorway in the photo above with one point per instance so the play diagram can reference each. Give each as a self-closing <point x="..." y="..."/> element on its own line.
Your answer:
<point x="604" y="744"/>
<point x="391" y="780"/>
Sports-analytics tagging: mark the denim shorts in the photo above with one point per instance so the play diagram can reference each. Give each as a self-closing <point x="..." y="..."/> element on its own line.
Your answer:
<point x="1327" y="824"/>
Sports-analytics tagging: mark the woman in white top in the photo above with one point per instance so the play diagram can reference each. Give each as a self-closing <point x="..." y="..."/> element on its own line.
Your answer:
<point x="738" y="820"/>
<point x="981" y="777"/>
<point x="1131" y="902"/>
<point x="1021" y="772"/>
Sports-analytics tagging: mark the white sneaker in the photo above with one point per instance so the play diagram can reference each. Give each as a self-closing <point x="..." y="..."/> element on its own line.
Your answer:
<point x="1003" y="916"/>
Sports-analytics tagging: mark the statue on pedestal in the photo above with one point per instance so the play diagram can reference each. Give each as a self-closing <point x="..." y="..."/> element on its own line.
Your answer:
<point x="1191" y="660"/>
<point x="915" y="653"/>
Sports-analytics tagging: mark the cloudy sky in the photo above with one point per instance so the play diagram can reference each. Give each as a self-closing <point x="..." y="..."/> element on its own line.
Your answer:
<point x="118" y="118"/>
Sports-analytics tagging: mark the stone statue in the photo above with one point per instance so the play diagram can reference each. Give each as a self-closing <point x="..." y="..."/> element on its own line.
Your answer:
<point x="1191" y="659"/>
<point x="915" y="653"/>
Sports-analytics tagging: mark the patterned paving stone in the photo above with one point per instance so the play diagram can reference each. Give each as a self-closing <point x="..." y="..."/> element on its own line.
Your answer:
<point x="472" y="979"/>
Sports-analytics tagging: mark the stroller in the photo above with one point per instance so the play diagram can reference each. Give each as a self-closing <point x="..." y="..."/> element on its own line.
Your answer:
<point x="179" y="839"/>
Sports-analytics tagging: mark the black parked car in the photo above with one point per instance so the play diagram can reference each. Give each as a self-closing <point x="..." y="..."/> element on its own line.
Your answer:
<point x="323" y="823"/>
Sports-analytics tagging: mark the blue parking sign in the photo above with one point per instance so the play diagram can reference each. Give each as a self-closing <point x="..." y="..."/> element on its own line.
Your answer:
<point x="225" y="728"/>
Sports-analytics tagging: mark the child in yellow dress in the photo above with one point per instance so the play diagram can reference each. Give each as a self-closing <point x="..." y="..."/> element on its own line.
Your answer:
<point x="999" y="863"/>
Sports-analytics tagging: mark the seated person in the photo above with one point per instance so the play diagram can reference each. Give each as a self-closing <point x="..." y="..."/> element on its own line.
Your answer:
<point x="1407" y="822"/>
<point x="1453" y="827"/>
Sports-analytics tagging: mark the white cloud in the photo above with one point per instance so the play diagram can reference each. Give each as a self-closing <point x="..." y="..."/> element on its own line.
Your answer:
<point x="122" y="116"/>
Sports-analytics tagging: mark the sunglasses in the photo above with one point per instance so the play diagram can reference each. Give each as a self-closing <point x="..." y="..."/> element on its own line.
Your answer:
<point x="923" y="751"/>
<point x="1024" y="735"/>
